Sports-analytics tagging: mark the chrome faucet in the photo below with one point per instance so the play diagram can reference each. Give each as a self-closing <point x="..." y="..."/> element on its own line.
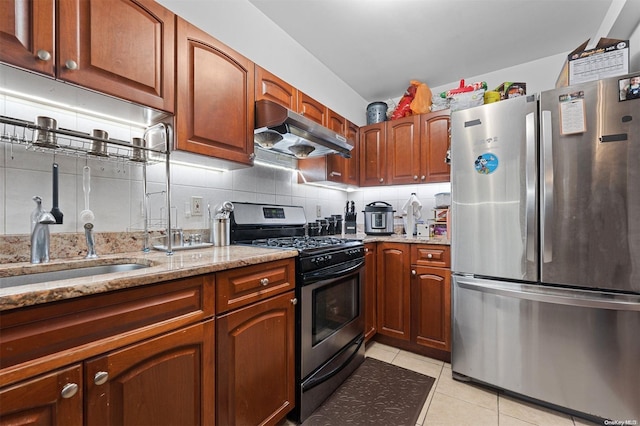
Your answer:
<point x="91" y="249"/>
<point x="40" y="221"/>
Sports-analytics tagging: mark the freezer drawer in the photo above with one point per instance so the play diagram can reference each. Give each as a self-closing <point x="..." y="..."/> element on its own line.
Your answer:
<point x="571" y="348"/>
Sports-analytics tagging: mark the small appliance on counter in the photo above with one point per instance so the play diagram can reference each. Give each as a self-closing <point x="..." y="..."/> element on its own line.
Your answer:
<point x="350" y="218"/>
<point x="378" y="218"/>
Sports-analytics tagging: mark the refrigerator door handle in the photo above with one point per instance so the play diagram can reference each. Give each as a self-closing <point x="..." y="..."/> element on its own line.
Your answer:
<point x="530" y="179"/>
<point x="547" y="186"/>
<point x="555" y="296"/>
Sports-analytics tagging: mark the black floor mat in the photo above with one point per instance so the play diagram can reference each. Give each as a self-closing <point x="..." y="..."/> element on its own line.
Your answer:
<point x="377" y="393"/>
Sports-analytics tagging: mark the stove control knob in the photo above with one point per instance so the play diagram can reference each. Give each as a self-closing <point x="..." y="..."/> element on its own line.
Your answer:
<point x="264" y="281"/>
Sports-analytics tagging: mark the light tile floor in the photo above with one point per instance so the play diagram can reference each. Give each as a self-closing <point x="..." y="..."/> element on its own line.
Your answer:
<point x="451" y="402"/>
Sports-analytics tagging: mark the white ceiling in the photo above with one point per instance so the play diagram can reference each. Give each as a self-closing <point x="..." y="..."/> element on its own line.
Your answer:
<point x="378" y="46"/>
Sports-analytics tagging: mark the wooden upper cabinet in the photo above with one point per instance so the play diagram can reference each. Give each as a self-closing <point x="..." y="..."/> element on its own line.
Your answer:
<point x="352" y="165"/>
<point x="312" y="109"/>
<point x="403" y="150"/>
<point x="372" y="154"/>
<point x="271" y="87"/>
<point x="27" y="33"/>
<point x="434" y="143"/>
<point x="124" y="48"/>
<point x="215" y="93"/>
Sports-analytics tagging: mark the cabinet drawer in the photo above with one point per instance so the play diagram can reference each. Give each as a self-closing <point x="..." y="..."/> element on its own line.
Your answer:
<point x="242" y="286"/>
<point x="101" y="322"/>
<point x="431" y="255"/>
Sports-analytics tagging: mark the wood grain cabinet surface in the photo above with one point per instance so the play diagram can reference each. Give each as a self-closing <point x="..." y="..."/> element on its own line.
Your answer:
<point x="215" y="97"/>
<point x="255" y="343"/>
<point x="370" y="284"/>
<point x="124" y="48"/>
<point x="414" y="298"/>
<point x="102" y="359"/>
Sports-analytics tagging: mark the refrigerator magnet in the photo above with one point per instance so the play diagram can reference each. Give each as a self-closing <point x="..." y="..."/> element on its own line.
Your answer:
<point x="572" y="113"/>
<point x="486" y="164"/>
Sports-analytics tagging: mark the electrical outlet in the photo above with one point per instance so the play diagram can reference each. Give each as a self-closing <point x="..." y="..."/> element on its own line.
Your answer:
<point x="196" y="206"/>
<point x="318" y="210"/>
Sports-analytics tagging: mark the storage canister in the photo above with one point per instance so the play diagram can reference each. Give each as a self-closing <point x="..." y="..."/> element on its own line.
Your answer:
<point x="376" y="112"/>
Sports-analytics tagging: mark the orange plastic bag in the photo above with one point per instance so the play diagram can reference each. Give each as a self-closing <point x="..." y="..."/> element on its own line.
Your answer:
<point x="421" y="102"/>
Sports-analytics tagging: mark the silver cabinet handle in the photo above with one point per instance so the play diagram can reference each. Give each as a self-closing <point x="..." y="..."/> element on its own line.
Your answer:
<point x="415" y="177"/>
<point x="381" y="180"/>
<point x="101" y="378"/>
<point x="423" y="177"/>
<point x="429" y="256"/>
<point x="71" y="65"/>
<point x="264" y="281"/>
<point x="69" y="390"/>
<point x="294" y="301"/>
<point x="43" y="55"/>
<point x="413" y="272"/>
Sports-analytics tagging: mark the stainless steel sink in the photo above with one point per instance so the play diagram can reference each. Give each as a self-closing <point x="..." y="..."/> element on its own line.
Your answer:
<point x="86" y="271"/>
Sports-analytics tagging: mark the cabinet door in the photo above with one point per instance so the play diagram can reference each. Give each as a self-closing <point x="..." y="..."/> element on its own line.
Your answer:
<point x="52" y="399"/>
<point x="370" y="290"/>
<point x="168" y="380"/>
<point x="372" y="151"/>
<point x="27" y="34"/>
<point x="393" y="290"/>
<point x="352" y="165"/>
<point x="434" y="143"/>
<point x="312" y="109"/>
<point x="256" y="356"/>
<point x="124" y="48"/>
<point x="431" y="307"/>
<point x="270" y="87"/>
<point x="215" y="90"/>
<point x="403" y="150"/>
<point x="336" y="164"/>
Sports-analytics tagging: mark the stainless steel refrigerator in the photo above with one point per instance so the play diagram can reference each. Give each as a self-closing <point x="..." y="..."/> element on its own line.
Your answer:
<point x="546" y="247"/>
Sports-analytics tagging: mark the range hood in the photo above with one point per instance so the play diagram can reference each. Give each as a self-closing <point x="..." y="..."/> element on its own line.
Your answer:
<point x="280" y="129"/>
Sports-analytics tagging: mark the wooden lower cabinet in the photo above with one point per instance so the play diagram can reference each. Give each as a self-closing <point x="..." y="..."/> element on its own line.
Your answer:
<point x="370" y="280"/>
<point x="255" y="362"/>
<point x="393" y="290"/>
<point x="40" y="401"/>
<point x="414" y="298"/>
<point x="168" y="380"/>
<point x="139" y="356"/>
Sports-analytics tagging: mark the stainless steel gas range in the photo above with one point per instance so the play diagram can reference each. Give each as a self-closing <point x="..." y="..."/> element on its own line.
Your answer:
<point x="329" y="281"/>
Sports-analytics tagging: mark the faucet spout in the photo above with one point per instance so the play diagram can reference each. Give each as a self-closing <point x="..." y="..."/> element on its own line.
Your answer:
<point x="40" y="233"/>
<point x="88" y="234"/>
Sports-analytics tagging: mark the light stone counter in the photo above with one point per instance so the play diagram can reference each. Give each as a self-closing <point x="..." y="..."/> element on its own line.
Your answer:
<point x="395" y="238"/>
<point x="181" y="264"/>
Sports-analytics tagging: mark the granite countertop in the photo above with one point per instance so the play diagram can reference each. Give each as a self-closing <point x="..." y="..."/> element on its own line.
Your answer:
<point x="181" y="264"/>
<point x="161" y="267"/>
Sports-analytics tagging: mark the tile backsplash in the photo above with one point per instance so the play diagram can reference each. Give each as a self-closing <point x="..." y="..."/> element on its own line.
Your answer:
<point x="117" y="196"/>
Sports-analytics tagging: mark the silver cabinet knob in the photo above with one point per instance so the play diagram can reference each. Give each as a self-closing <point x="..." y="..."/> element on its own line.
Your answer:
<point x="252" y="156"/>
<point x="294" y="301"/>
<point x="381" y="180"/>
<point x="415" y="177"/>
<point x="264" y="281"/>
<point x="413" y="272"/>
<point x="429" y="256"/>
<point x="423" y="177"/>
<point x="43" y="55"/>
<point x="71" y="65"/>
<point x="101" y="378"/>
<point x="69" y="390"/>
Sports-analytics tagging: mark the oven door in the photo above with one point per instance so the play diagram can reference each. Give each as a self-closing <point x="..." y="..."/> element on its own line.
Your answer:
<point x="331" y="313"/>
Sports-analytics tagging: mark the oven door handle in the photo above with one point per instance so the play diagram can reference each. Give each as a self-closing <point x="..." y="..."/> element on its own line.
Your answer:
<point x="315" y="381"/>
<point x="329" y="274"/>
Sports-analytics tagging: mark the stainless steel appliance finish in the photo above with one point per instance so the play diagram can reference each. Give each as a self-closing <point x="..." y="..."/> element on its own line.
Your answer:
<point x="378" y="218"/>
<point x="287" y="132"/>
<point x="329" y="280"/>
<point x="546" y="248"/>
